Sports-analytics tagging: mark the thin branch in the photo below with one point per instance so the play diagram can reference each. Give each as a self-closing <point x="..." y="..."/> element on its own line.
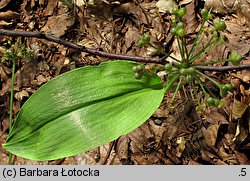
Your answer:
<point x="111" y="56"/>
<point x="224" y="68"/>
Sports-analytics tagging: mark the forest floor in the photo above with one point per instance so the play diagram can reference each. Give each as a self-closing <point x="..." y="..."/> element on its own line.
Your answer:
<point x="173" y="135"/>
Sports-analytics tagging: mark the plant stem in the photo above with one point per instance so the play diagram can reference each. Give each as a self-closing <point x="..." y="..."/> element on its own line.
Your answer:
<point x="170" y="82"/>
<point x="201" y="51"/>
<point x="67" y="3"/>
<point x="204" y="91"/>
<point x="181" y="50"/>
<point x="166" y="55"/>
<point x="185" y="48"/>
<point x="11" y="104"/>
<point x="211" y="63"/>
<point x="209" y="91"/>
<point x="196" y="94"/>
<point x="176" y="90"/>
<point x="196" y="46"/>
<point x="195" y="40"/>
<point x="207" y="77"/>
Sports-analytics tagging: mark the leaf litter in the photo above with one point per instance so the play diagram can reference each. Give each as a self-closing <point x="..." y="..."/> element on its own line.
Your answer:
<point x="176" y="135"/>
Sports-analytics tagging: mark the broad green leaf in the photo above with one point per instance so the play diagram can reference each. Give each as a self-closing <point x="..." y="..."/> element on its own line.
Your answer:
<point x="83" y="109"/>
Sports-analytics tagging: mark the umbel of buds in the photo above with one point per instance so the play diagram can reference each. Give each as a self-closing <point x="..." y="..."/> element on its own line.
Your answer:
<point x="138" y="70"/>
<point x="179" y="12"/>
<point x="178" y="29"/>
<point x="219" y="25"/>
<point x="235" y="58"/>
<point x="184" y="72"/>
<point x="205" y="14"/>
<point x="144" y="40"/>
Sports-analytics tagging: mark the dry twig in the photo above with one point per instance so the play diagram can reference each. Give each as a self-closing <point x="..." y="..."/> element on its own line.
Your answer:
<point x="111" y="56"/>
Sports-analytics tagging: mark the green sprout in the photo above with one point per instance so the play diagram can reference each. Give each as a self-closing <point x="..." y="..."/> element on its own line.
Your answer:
<point x="16" y="52"/>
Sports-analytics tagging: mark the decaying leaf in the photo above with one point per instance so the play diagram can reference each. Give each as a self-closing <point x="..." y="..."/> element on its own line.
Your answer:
<point x="240" y="7"/>
<point x="8" y="15"/>
<point x="58" y="25"/>
<point x="21" y="95"/>
<point x="182" y="2"/>
<point x="243" y="128"/>
<point x="122" y="149"/>
<point x="190" y="18"/>
<point x="166" y="5"/>
<point x="210" y="134"/>
<point x="4" y="3"/>
<point x="239" y="109"/>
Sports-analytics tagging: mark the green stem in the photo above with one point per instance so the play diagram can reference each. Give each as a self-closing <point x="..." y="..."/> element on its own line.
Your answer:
<point x="185" y="48"/>
<point x="201" y="51"/>
<point x="166" y="55"/>
<point x="181" y="50"/>
<point x="207" y="77"/>
<point x="171" y="81"/>
<point x="203" y="89"/>
<point x="67" y="3"/>
<point x="11" y="104"/>
<point x="196" y="94"/>
<point x="213" y="62"/>
<point x="193" y="48"/>
<point x="196" y="46"/>
<point x="176" y="90"/>
<point x="209" y="91"/>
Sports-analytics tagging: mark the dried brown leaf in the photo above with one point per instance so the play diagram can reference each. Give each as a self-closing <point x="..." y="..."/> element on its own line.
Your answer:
<point x="20" y="95"/>
<point x="181" y="142"/>
<point x="138" y="138"/>
<point x="8" y="15"/>
<point x="183" y="2"/>
<point x="190" y="18"/>
<point x="243" y="127"/>
<point x="4" y="158"/>
<point x="243" y="159"/>
<point x="50" y="8"/>
<point x="133" y="10"/>
<point x="210" y="134"/>
<point x="241" y="7"/>
<point x="5" y="123"/>
<point x="122" y="148"/>
<point x="238" y="109"/>
<point x="165" y="6"/>
<point x="214" y="117"/>
<point x="58" y="25"/>
<point x="88" y="158"/>
<point x="26" y="74"/>
<point x="69" y="161"/>
<point x="4" y="3"/>
<point x="221" y="6"/>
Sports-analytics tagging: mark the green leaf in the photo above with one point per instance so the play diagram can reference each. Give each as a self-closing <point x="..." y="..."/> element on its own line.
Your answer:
<point x="83" y="109"/>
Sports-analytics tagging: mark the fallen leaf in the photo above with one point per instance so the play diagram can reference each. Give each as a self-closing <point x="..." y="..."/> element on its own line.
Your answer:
<point x="19" y="95"/>
<point x="50" y="8"/>
<point x="165" y="6"/>
<point x="238" y="109"/>
<point x="8" y="15"/>
<point x="185" y="2"/>
<point x="58" y="25"/>
<point x="122" y="149"/>
<point x="4" y="3"/>
<point x="210" y="134"/>
<point x="190" y="17"/>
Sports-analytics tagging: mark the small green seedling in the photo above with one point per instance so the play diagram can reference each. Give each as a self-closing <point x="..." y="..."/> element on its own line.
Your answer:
<point x="14" y="54"/>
